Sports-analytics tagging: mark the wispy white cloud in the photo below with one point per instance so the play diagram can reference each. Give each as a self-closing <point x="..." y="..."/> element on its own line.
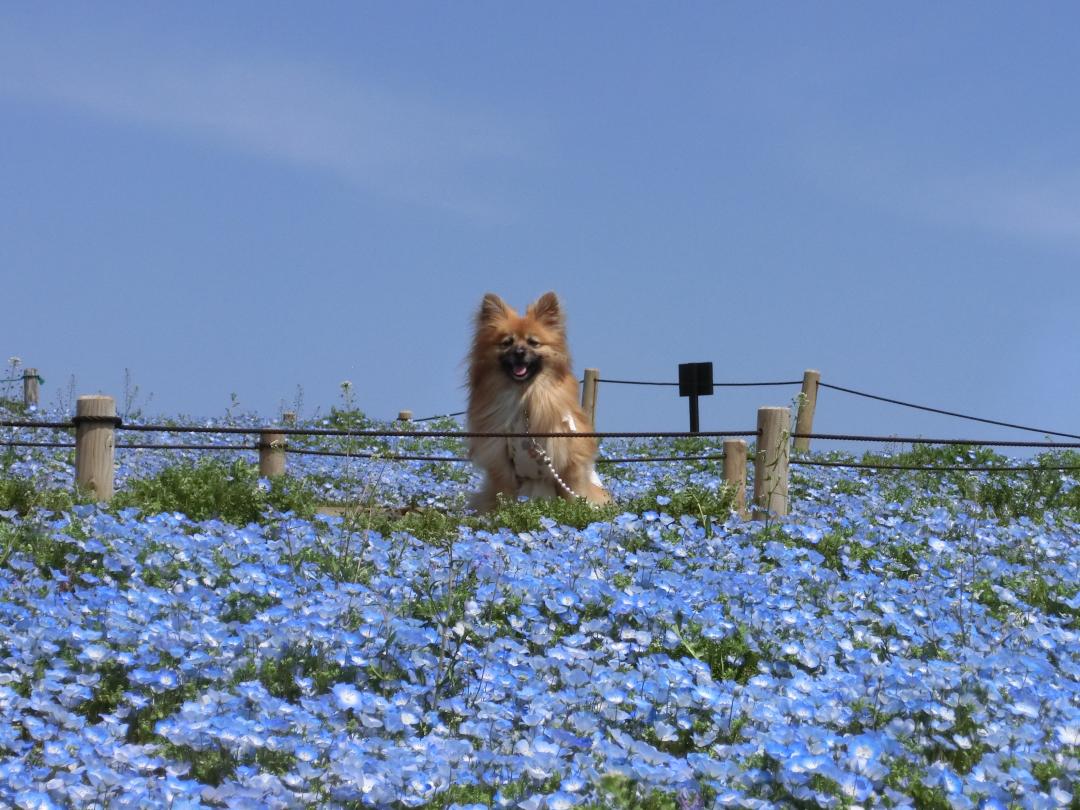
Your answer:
<point x="1021" y="200"/>
<point x="398" y="145"/>
<point x="1027" y="205"/>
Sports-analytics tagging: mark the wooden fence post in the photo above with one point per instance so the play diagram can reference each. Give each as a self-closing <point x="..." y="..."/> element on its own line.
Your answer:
<point x="404" y="416"/>
<point x="804" y="422"/>
<point x="30" y="382"/>
<point x="271" y="453"/>
<point x="95" y="445"/>
<point x="588" y="394"/>
<point x="735" y="472"/>
<point x="771" y="463"/>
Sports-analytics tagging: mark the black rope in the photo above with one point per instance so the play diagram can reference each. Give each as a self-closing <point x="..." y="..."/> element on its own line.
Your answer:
<point x="840" y="437"/>
<point x="756" y="384"/>
<point x="114" y="420"/>
<point x="44" y="425"/>
<point x="634" y="382"/>
<point x="37" y="444"/>
<point x="948" y="413"/>
<point x="638" y="459"/>
<point x="187" y="447"/>
<point x="626" y="460"/>
<point x="377" y="456"/>
<point x="715" y="385"/>
<point x="437" y="434"/>
<point x="462" y="434"/>
<point x="440" y="416"/>
<point x="939" y="468"/>
<point x="384" y="457"/>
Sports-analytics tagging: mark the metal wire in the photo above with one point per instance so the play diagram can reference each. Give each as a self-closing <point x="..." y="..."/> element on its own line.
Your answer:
<point x="948" y="413"/>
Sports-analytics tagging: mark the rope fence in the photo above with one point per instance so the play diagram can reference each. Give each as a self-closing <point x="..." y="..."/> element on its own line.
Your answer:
<point x="948" y="413"/>
<point x="935" y="467"/>
<point x="95" y="424"/>
<point x="714" y="385"/>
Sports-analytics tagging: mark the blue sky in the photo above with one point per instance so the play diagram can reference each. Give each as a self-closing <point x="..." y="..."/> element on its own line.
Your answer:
<point x="264" y="198"/>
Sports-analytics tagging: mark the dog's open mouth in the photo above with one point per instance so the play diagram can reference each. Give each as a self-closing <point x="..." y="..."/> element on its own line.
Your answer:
<point x="521" y="369"/>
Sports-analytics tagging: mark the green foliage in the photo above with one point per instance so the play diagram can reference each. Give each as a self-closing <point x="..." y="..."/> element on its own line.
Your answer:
<point x="705" y="505"/>
<point x="210" y="766"/>
<point x="1005" y="496"/>
<point x="23" y="496"/>
<point x="528" y="515"/>
<point x="279" y="675"/>
<point x="1034" y="590"/>
<point x="13" y="407"/>
<point x="243" y="607"/>
<point x="49" y="550"/>
<point x="905" y="775"/>
<point x="961" y="760"/>
<point x="216" y="489"/>
<point x="349" y="418"/>
<point x="618" y="792"/>
<point x="729" y="658"/>
<point x="484" y="794"/>
<point x="109" y="694"/>
<point x="430" y="525"/>
<point x="1032" y="494"/>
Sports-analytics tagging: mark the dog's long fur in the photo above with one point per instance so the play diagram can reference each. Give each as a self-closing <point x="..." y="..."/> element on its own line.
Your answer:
<point x="520" y="365"/>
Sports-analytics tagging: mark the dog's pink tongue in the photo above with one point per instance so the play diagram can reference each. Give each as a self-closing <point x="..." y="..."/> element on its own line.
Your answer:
<point x="521" y="371"/>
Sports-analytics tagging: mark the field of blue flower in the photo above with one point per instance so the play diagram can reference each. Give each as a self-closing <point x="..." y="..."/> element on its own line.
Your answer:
<point x="900" y="640"/>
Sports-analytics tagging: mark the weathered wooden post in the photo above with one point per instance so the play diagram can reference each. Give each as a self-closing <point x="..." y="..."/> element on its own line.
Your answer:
<point x="804" y="421"/>
<point x="271" y="453"/>
<point x="588" y="394"/>
<point x="404" y="416"/>
<point x="771" y="463"/>
<point x="95" y="444"/>
<point x="735" y="472"/>
<point x="30" y="381"/>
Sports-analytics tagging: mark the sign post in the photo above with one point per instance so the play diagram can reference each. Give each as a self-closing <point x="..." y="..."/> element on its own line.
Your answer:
<point x="695" y="380"/>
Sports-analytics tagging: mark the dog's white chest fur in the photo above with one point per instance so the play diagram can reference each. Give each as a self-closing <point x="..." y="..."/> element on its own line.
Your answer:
<point x="535" y="478"/>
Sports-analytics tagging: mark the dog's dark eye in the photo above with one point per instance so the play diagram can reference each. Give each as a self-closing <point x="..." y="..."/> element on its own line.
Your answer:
<point x="533" y="342"/>
<point x="506" y="342"/>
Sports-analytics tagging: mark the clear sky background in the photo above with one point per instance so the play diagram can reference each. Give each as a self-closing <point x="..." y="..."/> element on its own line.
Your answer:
<point x="262" y="198"/>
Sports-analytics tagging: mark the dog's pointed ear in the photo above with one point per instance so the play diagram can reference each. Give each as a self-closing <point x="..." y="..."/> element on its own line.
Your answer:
<point x="547" y="309"/>
<point x="492" y="308"/>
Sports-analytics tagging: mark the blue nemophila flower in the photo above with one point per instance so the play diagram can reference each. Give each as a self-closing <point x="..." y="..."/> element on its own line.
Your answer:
<point x="394" y="688"/>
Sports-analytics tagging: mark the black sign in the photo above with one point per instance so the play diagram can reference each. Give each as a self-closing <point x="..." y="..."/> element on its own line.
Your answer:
<point x="695" y="380"/>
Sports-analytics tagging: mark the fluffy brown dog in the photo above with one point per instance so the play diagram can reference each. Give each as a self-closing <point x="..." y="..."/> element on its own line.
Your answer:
<point x="520" y="382"/>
